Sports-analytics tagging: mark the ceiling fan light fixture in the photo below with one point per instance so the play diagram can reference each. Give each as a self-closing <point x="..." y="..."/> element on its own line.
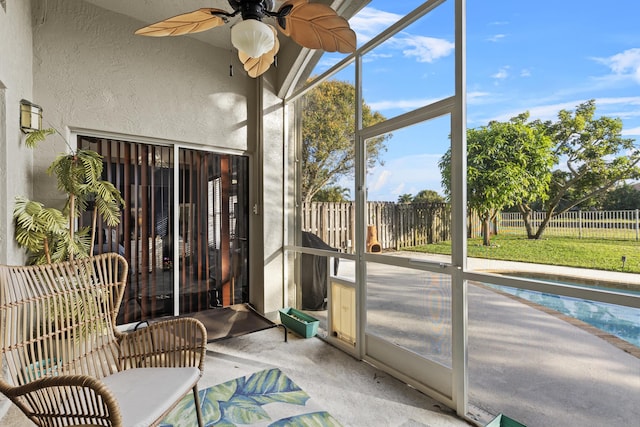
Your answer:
<point x="252" y="37"/>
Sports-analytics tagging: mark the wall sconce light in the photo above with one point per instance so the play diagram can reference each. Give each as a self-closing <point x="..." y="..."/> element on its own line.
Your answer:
<point x="30" y="116"/>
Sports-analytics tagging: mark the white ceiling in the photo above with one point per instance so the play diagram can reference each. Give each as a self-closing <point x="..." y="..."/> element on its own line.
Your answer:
<point x="151" y="11"/>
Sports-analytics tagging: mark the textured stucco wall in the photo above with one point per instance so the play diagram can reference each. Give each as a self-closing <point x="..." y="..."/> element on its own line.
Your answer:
<point x="90" y="72"/>
<point x="15" y="84"/>
<point x="272" y="198"/>
<point x="15" y="159"/>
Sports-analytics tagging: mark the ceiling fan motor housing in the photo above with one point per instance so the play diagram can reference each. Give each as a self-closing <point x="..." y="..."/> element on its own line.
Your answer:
<point x="252" y="9"/>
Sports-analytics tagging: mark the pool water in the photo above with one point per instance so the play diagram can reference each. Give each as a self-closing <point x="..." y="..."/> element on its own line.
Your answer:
<point x="622" y="322"/>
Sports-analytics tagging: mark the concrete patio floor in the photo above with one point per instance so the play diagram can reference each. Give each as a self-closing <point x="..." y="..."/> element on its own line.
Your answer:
<point x="569" y="377"/>
<point x="354" y="392"/>
<point x="536" y="367"/>
<point x="531" y="363"/>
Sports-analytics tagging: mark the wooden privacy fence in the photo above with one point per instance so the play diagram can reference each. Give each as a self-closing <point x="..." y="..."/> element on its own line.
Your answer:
<point x="403" y="225"/>
<point x="398" y="225"/>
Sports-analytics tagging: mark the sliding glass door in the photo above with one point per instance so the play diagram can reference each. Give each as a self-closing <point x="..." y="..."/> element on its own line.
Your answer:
<point x="184" y="233"/>
<point x="213" y="228"/>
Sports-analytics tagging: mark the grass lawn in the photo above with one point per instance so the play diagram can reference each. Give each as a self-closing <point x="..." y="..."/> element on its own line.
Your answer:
<point x="586" y="253"/>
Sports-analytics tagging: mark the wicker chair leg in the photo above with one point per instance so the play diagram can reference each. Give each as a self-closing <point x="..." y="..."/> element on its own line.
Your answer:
<point x="196" y="401"/>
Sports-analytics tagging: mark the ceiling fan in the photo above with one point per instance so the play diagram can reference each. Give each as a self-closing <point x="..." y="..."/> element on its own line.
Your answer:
<point x="311" y="25"/>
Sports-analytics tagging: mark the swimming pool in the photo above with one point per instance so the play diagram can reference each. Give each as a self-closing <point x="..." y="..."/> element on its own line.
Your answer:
<point x="622" y="322"/>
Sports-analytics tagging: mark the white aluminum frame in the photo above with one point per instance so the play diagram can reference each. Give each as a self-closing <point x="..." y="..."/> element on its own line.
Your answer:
<point x="451" y="389"/>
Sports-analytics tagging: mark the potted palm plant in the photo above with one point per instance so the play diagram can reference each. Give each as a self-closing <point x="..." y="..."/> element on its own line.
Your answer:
<point x="49" y="234"/>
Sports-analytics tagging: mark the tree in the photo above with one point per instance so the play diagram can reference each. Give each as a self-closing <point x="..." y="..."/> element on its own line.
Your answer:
<point x="592" y="157"/>
<point x="328" y="125"/>
<point x="332" y="194"/>
<point x="623" y="197"/>
<point x="428" y="196"/>
<point x="507" y="162"/>
<point x="405" y="198"/>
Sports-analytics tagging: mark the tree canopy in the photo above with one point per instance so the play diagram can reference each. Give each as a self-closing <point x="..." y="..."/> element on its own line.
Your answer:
<point x="332" y="194"/>
<point x="622" y="197"/>
<point x="552" y="166"/>
<point x="428" y="196"/>
<point x="405" y="198"/>
<point x="591" y="157"/>
<point x="507" y="163"/>
<point x="328" y="126"/>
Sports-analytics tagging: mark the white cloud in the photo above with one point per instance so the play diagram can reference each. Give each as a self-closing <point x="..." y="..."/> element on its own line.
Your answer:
<point x="550" y="111"/>
<point x="630" y="114"/>
<point x="477" y="97"/>
<point x="628" y="100"/>
<point x="409" y="174"/>
<point x="525" y="73"/>
<point x="398" y="190"/>
<point x="369" y="22"/>
<point x="496" y="38"/>
<point x="412" y="104"/>
<point x="380" y="180"/>
<point x="404" y="104"/>
<point x="631" y="132"/>
<point x="327" y="62"/>
<point x="424" y="49"/>
<point x="502" y="73"/>
<point x="372" y="56"/>
<point x="542" y="112"/>
<point x="624" y="64"/>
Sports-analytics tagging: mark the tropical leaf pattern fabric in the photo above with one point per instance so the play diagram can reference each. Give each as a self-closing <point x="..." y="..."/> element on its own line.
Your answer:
<point x="267" y="398"/>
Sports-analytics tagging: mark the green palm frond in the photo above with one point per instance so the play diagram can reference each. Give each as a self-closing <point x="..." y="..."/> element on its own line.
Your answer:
<point x="82" y="203"/>
<point x="108" y="191"/>
<point x="70" y="176"/>
<point x="34" y="224"/>
<point x="91" y="165"/>
<point x="108" y="202"/>
<point x="38" y="136"/>
<point x="40" y="230"/>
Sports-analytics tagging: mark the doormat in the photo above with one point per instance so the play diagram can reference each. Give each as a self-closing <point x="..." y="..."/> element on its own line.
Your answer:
<point x="264" y="399"/>
<point x="232" y="321"/>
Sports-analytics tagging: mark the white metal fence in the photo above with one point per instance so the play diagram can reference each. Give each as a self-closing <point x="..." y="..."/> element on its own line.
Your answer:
<point x="621" y="225"/>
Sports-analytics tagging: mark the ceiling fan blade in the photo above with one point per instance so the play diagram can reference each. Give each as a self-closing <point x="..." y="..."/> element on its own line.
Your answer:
<point x="317" y="26"/>
<point x="257" y="66"/>
<point x="192" y="22"/>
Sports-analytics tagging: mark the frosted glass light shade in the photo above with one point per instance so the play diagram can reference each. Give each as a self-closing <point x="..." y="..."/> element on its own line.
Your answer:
<point x="252" y="37"/>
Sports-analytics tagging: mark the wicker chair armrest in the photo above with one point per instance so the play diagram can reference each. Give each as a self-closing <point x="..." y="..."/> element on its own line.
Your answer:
<point x="178" y="342"/>
<point x="78" y="399"/>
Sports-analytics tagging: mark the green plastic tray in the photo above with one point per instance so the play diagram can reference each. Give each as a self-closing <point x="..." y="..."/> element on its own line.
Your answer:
<point x="301" y="323"/>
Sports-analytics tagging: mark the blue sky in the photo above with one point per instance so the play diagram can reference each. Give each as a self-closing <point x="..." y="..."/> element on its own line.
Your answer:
<point x="539" y="57"/>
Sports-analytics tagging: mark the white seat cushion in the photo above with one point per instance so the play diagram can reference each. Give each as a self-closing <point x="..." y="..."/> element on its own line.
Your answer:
<point x="145" y="394"/>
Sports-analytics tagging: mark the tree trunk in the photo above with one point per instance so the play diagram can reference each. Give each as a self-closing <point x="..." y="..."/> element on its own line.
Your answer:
<point x="72" y="217"/>
<point x="94" y="222"/>
<point x="526" y="217"/>
<point x="46" y="250"/>
<point x="543" y="226"/>
<point x="486" y="230"/>
<point x="525" y="211"/>
<point x="494" y="221"/>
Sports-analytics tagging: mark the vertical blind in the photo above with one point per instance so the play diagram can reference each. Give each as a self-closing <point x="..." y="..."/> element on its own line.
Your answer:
<point x="212" y="235"/>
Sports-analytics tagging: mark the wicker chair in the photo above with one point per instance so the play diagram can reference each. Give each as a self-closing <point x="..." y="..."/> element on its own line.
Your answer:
<point x="64" y="363"/>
